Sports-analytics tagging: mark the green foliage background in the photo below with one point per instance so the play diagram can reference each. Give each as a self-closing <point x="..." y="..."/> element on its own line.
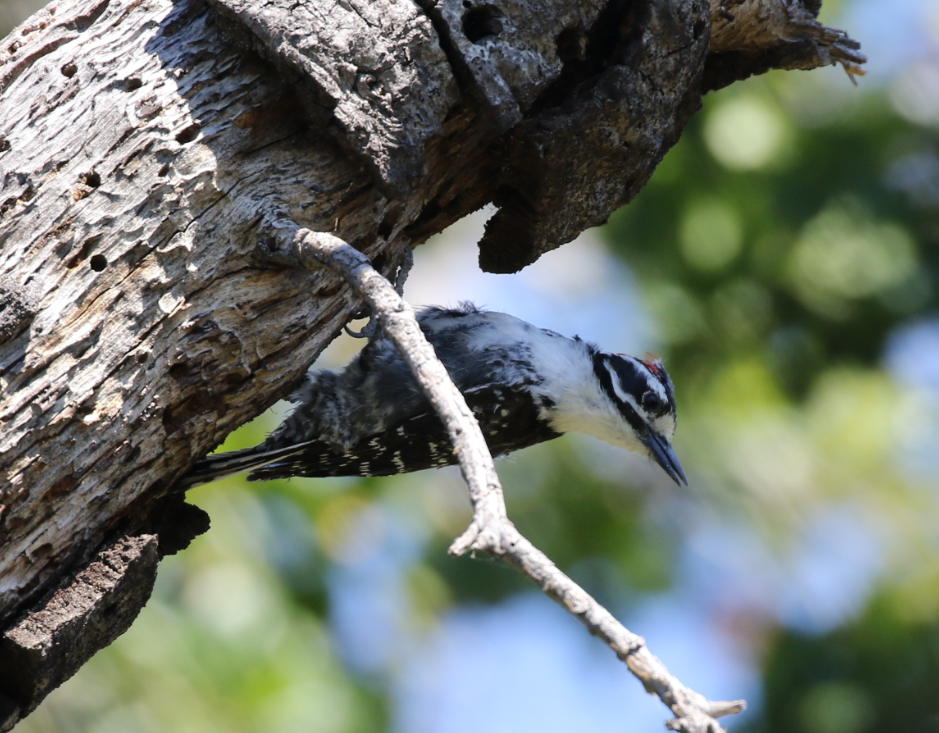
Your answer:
<point x="779" y="251"/>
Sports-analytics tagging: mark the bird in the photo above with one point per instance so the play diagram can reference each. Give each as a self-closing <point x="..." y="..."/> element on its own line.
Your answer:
<point x="524" y="384"/>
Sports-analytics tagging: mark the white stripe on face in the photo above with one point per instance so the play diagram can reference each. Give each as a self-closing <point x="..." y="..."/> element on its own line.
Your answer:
<point x="652" y="380"/>
<point x="622" y="394"/>
<point x="652" y="383"/>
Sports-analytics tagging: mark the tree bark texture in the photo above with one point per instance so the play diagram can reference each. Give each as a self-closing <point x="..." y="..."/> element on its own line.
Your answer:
<point x="143" y="141"/>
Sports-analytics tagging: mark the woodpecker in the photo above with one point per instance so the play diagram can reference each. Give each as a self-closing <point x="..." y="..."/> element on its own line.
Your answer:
<point x="524" y="384"/>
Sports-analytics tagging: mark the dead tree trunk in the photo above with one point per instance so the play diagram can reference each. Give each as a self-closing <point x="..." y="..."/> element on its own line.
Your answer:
<point x="143" y="141"/>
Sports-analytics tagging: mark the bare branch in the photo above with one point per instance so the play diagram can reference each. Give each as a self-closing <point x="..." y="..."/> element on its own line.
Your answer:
<point x="491" y="530"/>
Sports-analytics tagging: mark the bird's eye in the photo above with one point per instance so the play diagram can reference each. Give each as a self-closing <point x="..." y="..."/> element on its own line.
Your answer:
<point x="651" y="402"/>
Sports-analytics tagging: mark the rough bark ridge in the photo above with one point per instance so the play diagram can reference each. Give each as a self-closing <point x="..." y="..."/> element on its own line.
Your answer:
<point x="139" y="148"/>
<point x="87" y="613"/>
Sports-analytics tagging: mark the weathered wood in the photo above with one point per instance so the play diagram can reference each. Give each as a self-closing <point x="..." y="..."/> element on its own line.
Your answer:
<point x="509" y="53"/>
<point x="751" y="37"/>
<point x="140" y="147"/>
<point x="373" y="68"/>
<point x="131" y="183"/>
<point x="585" y="97"/>
<point x="753" y="26"/>
<point x="87" y="613"/>
<point x="593" y="144"/>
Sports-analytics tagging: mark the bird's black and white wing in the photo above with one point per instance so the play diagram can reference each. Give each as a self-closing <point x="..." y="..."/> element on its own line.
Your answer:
<point x="416" y="442"/>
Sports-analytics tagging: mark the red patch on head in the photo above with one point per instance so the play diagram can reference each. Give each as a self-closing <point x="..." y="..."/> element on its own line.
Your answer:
<point x="654" y="365"/>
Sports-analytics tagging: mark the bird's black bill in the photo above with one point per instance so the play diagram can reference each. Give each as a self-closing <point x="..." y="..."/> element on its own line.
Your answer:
<point x="664" y="455"/>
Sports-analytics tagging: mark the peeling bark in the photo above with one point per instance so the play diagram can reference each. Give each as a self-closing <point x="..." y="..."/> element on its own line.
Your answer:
<point x="86" y="613"/>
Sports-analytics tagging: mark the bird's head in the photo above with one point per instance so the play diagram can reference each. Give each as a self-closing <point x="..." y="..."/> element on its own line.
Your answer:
<point x="629" y="403"/>
<point x="644" y="396"/>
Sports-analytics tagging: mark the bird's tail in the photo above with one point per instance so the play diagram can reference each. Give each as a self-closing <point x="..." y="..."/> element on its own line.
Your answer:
<point x="214" y="467"/>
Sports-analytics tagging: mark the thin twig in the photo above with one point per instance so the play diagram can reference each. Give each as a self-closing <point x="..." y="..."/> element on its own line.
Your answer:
<point x="491" y="531"/>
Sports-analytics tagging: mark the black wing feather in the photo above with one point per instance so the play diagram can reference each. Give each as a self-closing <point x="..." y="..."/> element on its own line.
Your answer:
<point x="509" y="418"/>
